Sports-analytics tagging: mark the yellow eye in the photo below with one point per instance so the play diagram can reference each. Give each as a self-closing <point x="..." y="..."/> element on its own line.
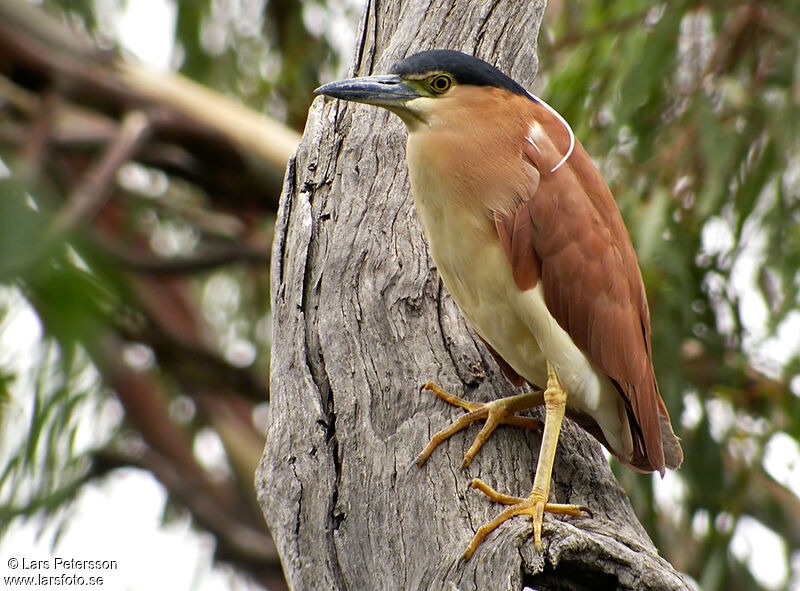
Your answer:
<point x="440" y="83"/>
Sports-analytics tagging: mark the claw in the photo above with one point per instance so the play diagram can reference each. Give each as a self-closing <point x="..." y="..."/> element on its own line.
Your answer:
<point x="497" y="412"/>
<point x="535" y="505"/>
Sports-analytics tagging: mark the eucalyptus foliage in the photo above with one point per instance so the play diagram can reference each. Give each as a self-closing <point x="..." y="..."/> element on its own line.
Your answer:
<point x="692" y="111"/>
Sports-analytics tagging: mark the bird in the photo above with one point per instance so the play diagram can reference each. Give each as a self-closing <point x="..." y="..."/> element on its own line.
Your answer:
<point x="530" y="244"/>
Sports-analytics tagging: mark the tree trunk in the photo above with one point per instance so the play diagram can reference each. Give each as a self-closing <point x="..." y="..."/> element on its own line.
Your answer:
<point x="361" y="321"/>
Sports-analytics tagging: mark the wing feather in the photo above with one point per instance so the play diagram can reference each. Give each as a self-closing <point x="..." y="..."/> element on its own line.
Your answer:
<point x="569" y="234"/>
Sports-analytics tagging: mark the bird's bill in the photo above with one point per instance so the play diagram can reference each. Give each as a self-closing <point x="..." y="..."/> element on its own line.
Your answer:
<point x="384" y="91"/>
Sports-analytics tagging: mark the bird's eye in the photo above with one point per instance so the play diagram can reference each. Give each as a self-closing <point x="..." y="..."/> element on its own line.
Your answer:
<point x="441" y="83"/>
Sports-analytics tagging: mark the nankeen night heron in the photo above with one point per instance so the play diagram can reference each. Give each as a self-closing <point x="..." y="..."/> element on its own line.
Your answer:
<point x="532" y="247"/>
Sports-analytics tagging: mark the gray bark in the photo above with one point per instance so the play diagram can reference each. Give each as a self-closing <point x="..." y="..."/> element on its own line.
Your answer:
<point x="361" y="321"/>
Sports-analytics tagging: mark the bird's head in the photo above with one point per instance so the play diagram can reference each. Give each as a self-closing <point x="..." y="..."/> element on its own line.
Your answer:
<point x="415" y="86"/>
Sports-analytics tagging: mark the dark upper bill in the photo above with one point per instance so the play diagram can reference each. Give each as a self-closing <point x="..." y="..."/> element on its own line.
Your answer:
<point x="389" y="90"/>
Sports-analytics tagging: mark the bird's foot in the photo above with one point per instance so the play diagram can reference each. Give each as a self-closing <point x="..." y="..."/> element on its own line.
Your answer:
<point x="535" y="505"/>
<point x="497" y="412"/>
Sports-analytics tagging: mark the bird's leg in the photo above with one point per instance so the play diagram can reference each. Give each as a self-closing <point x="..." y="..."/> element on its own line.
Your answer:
<point x="497" y="412"/>
<point x="555" y="400"/>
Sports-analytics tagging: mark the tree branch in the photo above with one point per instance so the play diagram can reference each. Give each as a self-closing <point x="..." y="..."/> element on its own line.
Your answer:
<point x="236" y="539"/>
<point x="181" y="265"/>
<point x="39" y="51"/>
<point x="97" y="187"/>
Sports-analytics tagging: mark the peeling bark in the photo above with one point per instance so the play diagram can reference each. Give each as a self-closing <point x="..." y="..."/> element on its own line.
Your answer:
<point x="361" y="321"/>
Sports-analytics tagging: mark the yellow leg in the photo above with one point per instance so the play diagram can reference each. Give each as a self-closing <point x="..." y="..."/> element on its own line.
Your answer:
<point x="497" y="412"/>
<point x="555" y="400"/>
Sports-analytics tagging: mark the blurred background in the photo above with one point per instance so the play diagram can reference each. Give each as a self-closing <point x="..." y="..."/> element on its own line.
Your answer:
<point x="142" y="146"/>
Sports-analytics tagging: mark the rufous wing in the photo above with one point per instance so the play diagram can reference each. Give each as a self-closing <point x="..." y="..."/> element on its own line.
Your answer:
<point x="567" y="232"/>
